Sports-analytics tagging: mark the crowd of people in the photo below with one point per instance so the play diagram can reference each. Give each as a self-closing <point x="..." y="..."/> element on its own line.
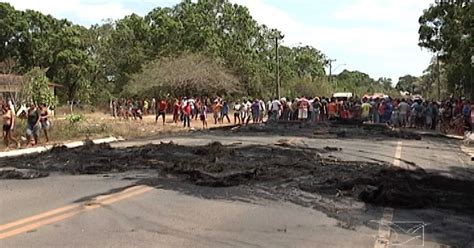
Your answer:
<point x="37" y="122"/>
<point x="450" y="115"/>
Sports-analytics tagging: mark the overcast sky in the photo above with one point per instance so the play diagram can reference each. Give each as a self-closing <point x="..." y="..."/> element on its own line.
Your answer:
<point x="378" y="37"/>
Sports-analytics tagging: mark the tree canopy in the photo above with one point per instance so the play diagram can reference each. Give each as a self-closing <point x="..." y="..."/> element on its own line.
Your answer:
<point x="187" y="75"/>
<point x="446" y="28"/>
<point x="107" y="59"/>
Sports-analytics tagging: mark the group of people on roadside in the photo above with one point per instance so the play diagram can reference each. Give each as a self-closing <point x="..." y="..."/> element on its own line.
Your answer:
<point x="37" y="120"/>
<point x="448" y="115"/>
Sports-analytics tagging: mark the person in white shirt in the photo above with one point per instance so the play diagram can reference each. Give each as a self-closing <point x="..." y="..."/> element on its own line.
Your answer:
<point x="275" y="109"/>
<point x="237" y="112"/>
<point x="262" y="110"/>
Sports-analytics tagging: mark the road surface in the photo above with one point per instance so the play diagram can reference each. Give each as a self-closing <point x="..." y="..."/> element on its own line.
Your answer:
<point x="118" y="210"/>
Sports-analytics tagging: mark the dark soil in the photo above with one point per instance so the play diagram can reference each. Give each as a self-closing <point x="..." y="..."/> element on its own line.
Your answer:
<point x="288" y="167"/>
<point x="337" y="129"/>
<point x="14" y="173"/>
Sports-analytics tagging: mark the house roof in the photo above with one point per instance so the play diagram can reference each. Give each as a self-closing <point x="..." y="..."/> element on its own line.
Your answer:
<point x="14" y="80"/>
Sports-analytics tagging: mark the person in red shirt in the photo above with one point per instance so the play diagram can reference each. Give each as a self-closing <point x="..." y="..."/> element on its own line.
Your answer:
<point x="187" y="114"/>
<point x="161" y="110"/>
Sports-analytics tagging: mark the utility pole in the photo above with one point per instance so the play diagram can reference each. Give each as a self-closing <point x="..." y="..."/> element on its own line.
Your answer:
<point x="278" y="37"/>
<point x="439" y="77"/>
<point x="278" y="68"/>
<point x="330" y="69"/>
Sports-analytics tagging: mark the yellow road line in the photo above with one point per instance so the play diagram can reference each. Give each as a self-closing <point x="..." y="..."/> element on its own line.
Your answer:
<point x="383" y="237"/>
<point x="60" y="210"/>
<point x="66" y="212"/>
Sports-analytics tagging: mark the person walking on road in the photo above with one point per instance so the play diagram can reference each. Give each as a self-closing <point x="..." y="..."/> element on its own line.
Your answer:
<point x="8" y="126"/>
<point x="33" y="126"/>
<point x="44" y="121"/>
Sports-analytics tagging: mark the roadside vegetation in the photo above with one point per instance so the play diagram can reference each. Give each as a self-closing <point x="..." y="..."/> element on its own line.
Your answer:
<point x="118" y="57"/>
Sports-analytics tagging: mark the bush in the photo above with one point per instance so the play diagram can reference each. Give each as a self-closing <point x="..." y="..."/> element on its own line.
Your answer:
<point x="75" y="118"/>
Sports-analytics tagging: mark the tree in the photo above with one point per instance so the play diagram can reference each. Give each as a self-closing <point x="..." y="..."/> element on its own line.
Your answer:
<point x="446" y="29"/>
<point x="406" y="83"/>
<point x="37" y="88"/>
<point x="186" y="75"/>
<point x="386" y="83"/>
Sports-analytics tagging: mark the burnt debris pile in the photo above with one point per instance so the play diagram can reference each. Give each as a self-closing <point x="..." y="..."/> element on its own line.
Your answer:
<point x="286" y="166"/>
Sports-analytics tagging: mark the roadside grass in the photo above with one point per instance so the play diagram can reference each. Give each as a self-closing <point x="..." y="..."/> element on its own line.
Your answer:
<point x="99" y="125"/>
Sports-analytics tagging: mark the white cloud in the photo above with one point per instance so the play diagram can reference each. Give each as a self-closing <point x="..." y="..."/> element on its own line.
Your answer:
<point x="387" y="47"/>
<point x="87" y="12"/>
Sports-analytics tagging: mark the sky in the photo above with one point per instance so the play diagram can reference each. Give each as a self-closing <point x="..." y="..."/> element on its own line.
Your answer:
<point x="378" y="37"/>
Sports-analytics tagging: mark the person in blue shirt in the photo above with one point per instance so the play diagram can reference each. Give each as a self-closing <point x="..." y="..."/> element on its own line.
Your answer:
<point x="225" y="111"/>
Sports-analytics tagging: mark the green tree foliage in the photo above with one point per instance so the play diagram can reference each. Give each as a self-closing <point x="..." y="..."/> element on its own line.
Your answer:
<point x="406" y="83"/>
<point x="187" y="75"/>
<point x="99" y="62"/>
<point x="447" y="29"/>
<point x="37" y="88"/>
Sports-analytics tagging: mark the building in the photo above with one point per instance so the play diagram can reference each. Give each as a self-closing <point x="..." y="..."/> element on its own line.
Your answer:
<point x="11" y="85"/>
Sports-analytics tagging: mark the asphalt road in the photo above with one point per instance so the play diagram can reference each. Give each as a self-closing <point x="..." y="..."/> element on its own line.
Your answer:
<point x="111" y="211"/>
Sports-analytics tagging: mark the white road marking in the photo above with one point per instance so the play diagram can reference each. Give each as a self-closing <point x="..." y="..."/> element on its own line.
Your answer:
<point x="383" y="237"/>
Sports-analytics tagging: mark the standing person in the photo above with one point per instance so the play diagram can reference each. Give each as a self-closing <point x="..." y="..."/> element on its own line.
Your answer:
<point x="332" y="109"/>
<point x="176" y="110"/>
<point x="203" y="115"/>
<point x="243" y="111"/>
<point x="193" y="107"/>
<point x="161" y="111"/>
<point x="237" y="108"/>
<point x="324" y="109"/>
<point x="428" y="113"/>
<point x="255" y="112"/>
<point x="382" y="107"/>
<point x="375" y="111"/>
<point x="8" y="126"/>
<point x="225" y="111"/>
<point x="303" y="109"/>
<point x="365" y="110"/>
<point x="466" y="113"/>
<point x="276" y="106"/>
<point x="403" y="110"/>
<point x="153" y="104"/>
<point x="472" y="117"/>
<point x="114" y="108"/>
<point x="216" y="109"/>
<point x="262" y="110"/>
<point x="417" y="114"/>
<point x="435" y="115"/>
<point x="187" y="114"/>
<point x="395" y="118"/>
<point x="316" y="110"/>
<point x="33" y="126"/>
<point x="45" y="123"/>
